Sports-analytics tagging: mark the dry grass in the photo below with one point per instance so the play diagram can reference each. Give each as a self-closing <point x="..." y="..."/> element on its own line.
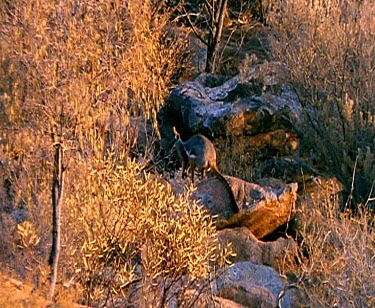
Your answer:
<point x="333" y="265"/>
<point x="78" y="70"/>
<point x="73" y="72"/>
<point x="330" y="56"/>
<point x="328" y="49"/>
<point x="13" y="293"/>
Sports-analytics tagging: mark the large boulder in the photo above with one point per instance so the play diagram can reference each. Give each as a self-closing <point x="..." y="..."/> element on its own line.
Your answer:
<point x="262" y="209"/>
<point x="314" y="187"/>
<point x="248" y="248"/>
<point x="247" y="108"/>
<point x="254" y="285"/>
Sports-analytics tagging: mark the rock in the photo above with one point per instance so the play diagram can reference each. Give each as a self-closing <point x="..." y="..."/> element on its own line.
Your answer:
<point x="184" y="292"/>
<point x="274" y="251"/>
<point x="321" y="189"/>
<point x="297" y="169"/>
<point x="268" y="120"/>
<point x="252" y="297"/>
<point x="196" y="298"/>
<point x="244" y="244"/>
<point x="214" y="196"/>
<point x="262" y="209"/>
<point x="248" y="248"/>
<point x="253" y="285"/>
<point x="226" y="303"/>
<point x="314" y="186"/>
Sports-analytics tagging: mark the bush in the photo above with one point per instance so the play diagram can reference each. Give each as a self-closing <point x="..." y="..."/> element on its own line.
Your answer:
<point x="133" y="233"/>
<point x="328" y="49"/>
<point x="333" y="265"/>
<point x="73" y="73"/>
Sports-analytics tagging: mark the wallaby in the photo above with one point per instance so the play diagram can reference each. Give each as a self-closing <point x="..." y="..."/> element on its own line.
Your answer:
<point x="199" y="152"/>
<point x="179" y="145"/>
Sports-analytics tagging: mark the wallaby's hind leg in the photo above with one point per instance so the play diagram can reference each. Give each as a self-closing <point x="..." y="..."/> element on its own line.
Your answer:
<point x="192" y="169"/>
<point x="184" y="169"/>
<point x="203" y="173"/>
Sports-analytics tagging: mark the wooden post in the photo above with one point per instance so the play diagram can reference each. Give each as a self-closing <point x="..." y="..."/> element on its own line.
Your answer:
<point x="57" y="195"/>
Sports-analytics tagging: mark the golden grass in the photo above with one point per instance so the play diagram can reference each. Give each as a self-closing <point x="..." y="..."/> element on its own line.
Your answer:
<point x="333" y="264"/>
<point x="14" y="293"/>
<point x="328" y="50"/>
<point x="79" y="70"/>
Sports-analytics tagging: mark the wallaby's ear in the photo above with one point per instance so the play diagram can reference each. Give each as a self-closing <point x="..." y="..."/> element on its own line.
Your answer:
<point x="176" y="134"/>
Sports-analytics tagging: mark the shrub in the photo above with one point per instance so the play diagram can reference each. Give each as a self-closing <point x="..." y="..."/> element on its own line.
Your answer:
<point x="328" y="49"/>
<point x="333" y="265"/>
<point x="134" y="233"/>
<point x="71" y="72"/>
<point x="327" y="46"/>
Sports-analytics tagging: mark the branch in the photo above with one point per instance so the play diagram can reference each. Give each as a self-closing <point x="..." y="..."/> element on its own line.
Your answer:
<point x="352" y="185"/>
<point x="184" y="15"/>
<point x="220" y="19"/>
<point x="370" y="199"/>
<point x="217" y="13"/>
<point x="192" y="26"/>
<point x="210" y="10"/>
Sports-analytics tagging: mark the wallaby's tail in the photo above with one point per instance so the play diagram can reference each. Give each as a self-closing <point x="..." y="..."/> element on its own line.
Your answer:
<point x="222" y="179"/>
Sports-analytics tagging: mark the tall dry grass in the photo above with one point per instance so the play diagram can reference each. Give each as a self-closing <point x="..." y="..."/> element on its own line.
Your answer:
<point x="333" y="264"/>
<point x="328" y="48"/>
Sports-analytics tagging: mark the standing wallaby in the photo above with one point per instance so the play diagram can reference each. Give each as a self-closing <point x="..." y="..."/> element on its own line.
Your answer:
<point x="199" y="152"/>
<point x="179" y="145"/>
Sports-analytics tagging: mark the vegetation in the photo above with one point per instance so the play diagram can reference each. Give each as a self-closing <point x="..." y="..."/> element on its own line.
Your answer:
<point x="72" y="73"/>
<point x="74" y="78"/>
<point x="124" y="216"/>
<point x="333" y="264"/>
<point x="330" y="57"/>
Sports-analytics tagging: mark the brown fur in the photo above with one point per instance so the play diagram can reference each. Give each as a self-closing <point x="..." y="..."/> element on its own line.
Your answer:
<point x="199" y="153"/>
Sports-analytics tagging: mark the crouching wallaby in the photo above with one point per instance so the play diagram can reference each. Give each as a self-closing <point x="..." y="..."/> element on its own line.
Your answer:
<point x="199" y="152"/>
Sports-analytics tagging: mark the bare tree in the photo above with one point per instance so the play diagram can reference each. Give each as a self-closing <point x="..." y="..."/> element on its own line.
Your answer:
<point x="214" y="12"/>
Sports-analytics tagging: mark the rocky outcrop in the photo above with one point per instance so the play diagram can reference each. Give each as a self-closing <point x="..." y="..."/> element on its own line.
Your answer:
<point x="248" y="248"/>
<point x="262" y="209"/>
<point x="246" y="107"/>
<point x="256" y="124"/>
<point x="254" y="285"/>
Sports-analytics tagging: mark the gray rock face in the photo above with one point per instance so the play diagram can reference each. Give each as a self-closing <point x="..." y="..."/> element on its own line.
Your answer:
<point x="248" y="248"/>
<point x="253" y="285"/>
<point x="240" y="106"/>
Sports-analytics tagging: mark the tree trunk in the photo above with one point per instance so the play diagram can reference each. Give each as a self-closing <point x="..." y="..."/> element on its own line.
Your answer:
<point x="57" y="195"/>
<point x="211" y="55"/>
<point x="214" y="37"/>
